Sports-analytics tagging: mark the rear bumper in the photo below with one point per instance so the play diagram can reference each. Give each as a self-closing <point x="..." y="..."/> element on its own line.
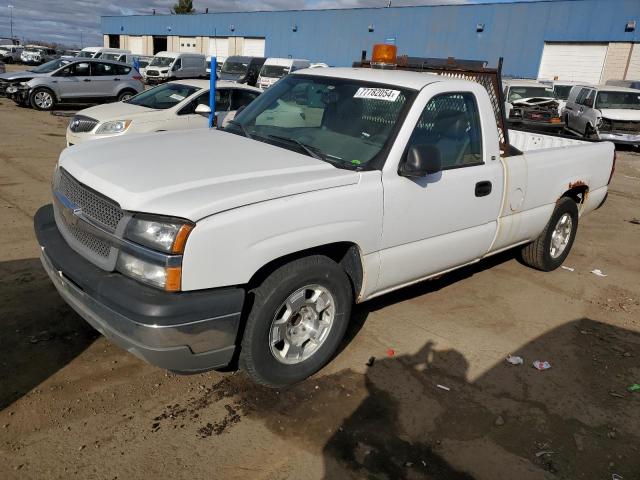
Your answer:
<point x="186" y="331"/>
<point x="625" y="138"/>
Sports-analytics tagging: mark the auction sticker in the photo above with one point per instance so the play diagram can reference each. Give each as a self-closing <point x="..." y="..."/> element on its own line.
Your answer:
<point x="377" y="94"/>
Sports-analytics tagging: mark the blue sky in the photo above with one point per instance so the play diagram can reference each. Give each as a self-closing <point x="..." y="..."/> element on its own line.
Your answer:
<point x="63" y="21"/>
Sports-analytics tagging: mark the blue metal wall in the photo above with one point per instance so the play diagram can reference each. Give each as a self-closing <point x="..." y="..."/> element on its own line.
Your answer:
<point x="515" y="31"/>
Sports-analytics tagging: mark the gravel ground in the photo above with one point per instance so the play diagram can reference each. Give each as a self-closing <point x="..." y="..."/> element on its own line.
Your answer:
<point x="74" y="406"/>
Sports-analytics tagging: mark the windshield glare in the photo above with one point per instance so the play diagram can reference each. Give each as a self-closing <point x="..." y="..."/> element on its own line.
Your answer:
<point x="234" y="67"/>
<point x="161" y="62"/>
<point x="50" y="66"/>
<point x="274" y="71"/>
<point x="518" y="93"/>
<point x="621" y="100"/>
<point x="164" y="96"/>
<point x="345" y="122"/>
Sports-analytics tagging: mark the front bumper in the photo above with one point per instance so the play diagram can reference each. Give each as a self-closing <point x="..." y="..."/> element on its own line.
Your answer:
<point x="18" y="94"/>
<point x="185" y="332"/>
<point x="625" y="138"/>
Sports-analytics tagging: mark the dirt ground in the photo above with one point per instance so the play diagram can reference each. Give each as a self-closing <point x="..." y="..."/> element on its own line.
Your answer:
<point x="74" y="406"/>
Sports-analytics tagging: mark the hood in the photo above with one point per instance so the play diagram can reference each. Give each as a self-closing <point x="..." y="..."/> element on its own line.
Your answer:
<point x="21" y="75"/>
<point x="194" y="174"/>
<point x="625" y="114"/>
<point x="118" y="111"/>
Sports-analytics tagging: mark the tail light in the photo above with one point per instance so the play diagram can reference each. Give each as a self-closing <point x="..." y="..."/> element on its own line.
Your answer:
<point x="613" y="167"/>
<point x="137" y="77"/>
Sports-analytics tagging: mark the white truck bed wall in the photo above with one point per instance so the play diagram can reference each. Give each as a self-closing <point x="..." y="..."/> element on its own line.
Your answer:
<point x="527" y="141"/>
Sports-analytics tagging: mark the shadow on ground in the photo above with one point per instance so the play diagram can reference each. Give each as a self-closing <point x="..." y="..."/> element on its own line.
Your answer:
<point x="39" y="333"/>
<point x="573" y="421"/>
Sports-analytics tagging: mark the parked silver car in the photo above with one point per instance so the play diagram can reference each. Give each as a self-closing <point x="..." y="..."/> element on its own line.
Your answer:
<point x="82" y="81"/>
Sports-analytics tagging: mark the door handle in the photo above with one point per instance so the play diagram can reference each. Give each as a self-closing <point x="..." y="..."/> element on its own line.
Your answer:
<point x="86" y="80"/>
<point x="483" y="188"/>
<point x="116" y="79"/>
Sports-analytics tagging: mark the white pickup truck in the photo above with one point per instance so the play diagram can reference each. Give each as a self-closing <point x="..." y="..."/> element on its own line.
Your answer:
<point x="195" y="249"/>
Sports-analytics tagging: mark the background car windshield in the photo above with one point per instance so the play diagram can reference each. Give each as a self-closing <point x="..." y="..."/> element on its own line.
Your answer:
<point x="562" y="91"/>
<point x="518" y="93"/>
<point x="86" y="54"/>
<point x="623" y="100"/>
<point x="234" y="67"/>
<point x="111" y="56"/>
<point x="274" y="71"/>
<point x="161" y="62"/>
<point x="164" y="96"/>
<point x="50" y="66"/>
<point x="346" y="122"/>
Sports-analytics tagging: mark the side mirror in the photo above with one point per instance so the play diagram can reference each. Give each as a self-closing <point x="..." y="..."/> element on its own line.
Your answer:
<point x="420" y="161"/>
<point x="203" y="109"/>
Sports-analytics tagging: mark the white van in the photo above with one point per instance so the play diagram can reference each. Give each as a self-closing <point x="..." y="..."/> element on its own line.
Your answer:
<point x="276" y="68"/>
<point x="117" y="54"/>
<point x="167" y="66"/>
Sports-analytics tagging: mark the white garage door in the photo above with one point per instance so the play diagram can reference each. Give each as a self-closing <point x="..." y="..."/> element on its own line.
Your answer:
<point x="582" y="62"/>
<point x="136" y="45"/>
<point x="254" y="47"/>
<point x="633" y="71"/>
<point x="188" y="44"/>
<point x="219" y="47"/>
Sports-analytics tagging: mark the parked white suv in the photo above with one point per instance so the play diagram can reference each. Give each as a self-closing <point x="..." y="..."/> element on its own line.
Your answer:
<point x="605" y="112"/>
<point x="10" y="53"/>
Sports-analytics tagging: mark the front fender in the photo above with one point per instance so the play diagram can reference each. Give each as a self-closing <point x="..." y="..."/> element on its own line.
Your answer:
<point x="230" y="247"/>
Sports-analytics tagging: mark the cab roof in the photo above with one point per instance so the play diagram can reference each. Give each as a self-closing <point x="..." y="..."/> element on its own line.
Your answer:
<point x="399" y="78"/>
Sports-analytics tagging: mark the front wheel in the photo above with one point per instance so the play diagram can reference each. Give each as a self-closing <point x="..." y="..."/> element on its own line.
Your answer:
<point x="124" y="96"/>
<point x="551" y="248"/>
<point x="298" y="318"/>
<point x="42" y="99"/>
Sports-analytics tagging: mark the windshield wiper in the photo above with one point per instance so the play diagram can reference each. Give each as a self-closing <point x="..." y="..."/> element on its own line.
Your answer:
<point x="306" y="148"/>
<point x="242" y="128"/>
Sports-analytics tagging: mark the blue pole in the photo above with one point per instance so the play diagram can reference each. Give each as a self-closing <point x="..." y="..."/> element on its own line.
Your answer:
<point x="212" y="91"/>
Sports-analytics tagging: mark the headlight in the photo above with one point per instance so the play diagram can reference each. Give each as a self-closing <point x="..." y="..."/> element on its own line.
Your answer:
<point x="117" y="126"/>
<point x="165" y="234"/>
<point x="166" y="278"/>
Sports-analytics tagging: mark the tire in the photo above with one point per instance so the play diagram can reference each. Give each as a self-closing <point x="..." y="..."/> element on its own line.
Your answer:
<point x="551" y="248"/>
<point x="125" y="95"/>
<point x="589" y="132"/>
<point x="42" y="99"/>
<point x="265" y="355"/>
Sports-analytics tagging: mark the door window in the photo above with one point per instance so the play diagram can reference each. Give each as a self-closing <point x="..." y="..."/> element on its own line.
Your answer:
<point x="178" y="64"/>
<point x="103" y="70"/>
<point x="451" y="123"/>
<point x="588" y="101"/>
<point x="75" y="70"/>
<point x="242" y="98"/>
<point x="582" y="95"/>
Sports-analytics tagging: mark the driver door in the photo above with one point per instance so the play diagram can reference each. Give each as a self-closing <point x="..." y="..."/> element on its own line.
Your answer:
<point x="74" y="81"/>
<point x="435" y="223"/>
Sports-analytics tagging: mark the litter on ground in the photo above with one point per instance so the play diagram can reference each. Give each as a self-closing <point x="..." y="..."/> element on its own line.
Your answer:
<point x="540" y="365"/>
<point x="634" y="388"/>
<point x="571" y="269"/>
<point x="598" y="273"/>
<point x="515" y="360"/>
<point x="443" y="387"/>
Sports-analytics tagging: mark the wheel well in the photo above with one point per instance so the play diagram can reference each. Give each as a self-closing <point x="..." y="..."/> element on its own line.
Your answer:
<point x="578" y="193"/>
<point x="127" y="90"/>
<point x="42" y="87"/>
<point x="346" y="254"/>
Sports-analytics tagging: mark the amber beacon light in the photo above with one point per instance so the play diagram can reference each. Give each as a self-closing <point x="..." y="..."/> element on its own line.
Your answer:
<point x="384" y="56"/>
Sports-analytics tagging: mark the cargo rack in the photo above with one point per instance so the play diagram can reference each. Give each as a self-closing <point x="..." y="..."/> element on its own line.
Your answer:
<point x="473" y="70"/>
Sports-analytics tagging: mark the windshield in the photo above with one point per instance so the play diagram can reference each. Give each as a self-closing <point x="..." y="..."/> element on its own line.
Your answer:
<point x="274" y="71"/>
<point x="622" y="100"/>
<point x="562" y="91"/>
<point x="161" y="61"/>
<point x="86" y="54"/>
<point x="34" y="50"/>
<point x="518" y="93"/>
<point x="50" y="66"/>
<point x="164" y="96"/>
<point x="344" y="122"/>
<point x="111" y="56"/>
<point x="234" y="67"/>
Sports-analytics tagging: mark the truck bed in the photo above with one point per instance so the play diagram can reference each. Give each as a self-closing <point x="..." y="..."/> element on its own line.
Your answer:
<point x="528" y="141"/>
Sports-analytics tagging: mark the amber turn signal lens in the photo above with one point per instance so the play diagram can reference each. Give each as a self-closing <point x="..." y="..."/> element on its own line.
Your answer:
<point x="174" y="279"/>
<point x="181" y="238"/>
<point x="385" y="54"/>
<point x="555" y="120"/>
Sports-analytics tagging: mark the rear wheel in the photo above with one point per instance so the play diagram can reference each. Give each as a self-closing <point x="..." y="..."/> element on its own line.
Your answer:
<point x="298" y="318"/>
<point x="126" y="95"/>
<point x="589" y="132"/>
<point x="42" y="99"/>
<point x="551" y="248"/>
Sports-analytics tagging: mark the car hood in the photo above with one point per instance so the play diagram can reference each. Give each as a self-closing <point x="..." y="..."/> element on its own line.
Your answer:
<point x="626" y="114"/>
<point x="194" y="174"/>
<point x="23" y="74"/>
<point x="119" y="111"/>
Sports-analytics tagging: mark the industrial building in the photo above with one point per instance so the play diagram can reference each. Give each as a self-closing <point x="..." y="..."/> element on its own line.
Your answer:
<point x="585" y="40"/>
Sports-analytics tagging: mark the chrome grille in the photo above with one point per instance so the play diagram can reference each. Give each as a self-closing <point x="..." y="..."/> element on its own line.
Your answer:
<point x="82" y="124"/>
<point x="625" y="126"/>
<point x="151" y="73"/>
<point x="98" y="208"/>
<point x="96" y="245"/>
